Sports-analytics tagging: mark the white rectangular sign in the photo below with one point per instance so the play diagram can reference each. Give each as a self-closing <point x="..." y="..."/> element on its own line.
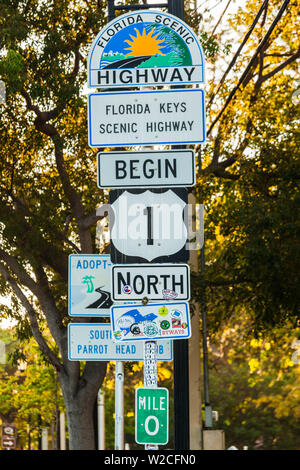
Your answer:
<point x="131" y="282"/>
<point x="93" y="342"/>
<point x="146" y="169"/>
<point x="89" y="285"/>
<point x="146" y="118"/>
<point x="168" y="320"/>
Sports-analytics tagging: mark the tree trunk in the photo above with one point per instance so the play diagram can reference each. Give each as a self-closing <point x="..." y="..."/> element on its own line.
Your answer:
<point x="80" y="422"/>
<point x="80" y="394"/>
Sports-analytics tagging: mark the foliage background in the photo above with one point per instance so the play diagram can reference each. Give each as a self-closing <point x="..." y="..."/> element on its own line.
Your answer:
<point x="248" y="180"/>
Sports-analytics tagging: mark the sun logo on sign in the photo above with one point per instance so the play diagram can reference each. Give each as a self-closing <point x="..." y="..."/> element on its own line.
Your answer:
<point x="144" y="44"/>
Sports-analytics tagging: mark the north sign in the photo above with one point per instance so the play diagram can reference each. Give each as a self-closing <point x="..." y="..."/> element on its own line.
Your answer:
<point x="168" y="320"/>
<point x="93" y="342"/>
<point x="134" y="282"/>
<point x="146" y="169"/>
<point x="117" y="119"/>
<point x="151" y="415"/>
<point x="148" y="225"/>
<point x="145" y="48"/>
<point x="89" y="285"/>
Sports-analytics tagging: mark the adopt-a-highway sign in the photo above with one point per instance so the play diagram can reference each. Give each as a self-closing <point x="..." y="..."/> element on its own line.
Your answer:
<point x="89" y="284"/>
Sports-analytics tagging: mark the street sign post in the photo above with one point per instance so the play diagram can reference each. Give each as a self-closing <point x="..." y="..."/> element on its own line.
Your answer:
<point x="132" y="282"/>
<point x="145" y="48"/>
<point x="168" y="320"/>
<point x="117" y="119"/>
<point x="94" y="342"/>
<point x="89" y="285"/>
<point x="9" y="436"/>
<point x="146" y="169"/>
<point x="152" y="415"/>
<point x="148" y="225"/>
<point x="8" y="442"/>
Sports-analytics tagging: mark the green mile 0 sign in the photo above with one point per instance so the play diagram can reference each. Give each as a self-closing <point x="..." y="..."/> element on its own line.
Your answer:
<point x="152" y="415"/>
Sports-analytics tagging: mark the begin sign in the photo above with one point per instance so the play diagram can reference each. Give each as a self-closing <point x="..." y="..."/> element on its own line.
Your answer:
<point x="149" y="169"/>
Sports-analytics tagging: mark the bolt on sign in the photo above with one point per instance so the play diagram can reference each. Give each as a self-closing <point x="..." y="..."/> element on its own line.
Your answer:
<point x="148" y="225"/>
<point x="152" y="415"/>
<point x="145" y="48"/>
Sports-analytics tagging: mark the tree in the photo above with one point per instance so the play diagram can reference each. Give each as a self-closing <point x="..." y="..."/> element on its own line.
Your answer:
<point x="255" y="385"/>
<point x="249" y="179"/>
<point x="48" y="189"/>
<point x="48" y="204"/>
<point x="29" y="394"/>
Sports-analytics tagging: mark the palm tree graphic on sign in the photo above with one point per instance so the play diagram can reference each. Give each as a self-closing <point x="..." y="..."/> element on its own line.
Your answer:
<point x="88" y="281"/>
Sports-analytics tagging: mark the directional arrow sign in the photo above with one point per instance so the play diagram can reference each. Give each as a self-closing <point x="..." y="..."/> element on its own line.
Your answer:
<point x="8" y="442"/>
<point x="89" y="285"/>
<point x="148" y="225"/>
<point x="93" y="342"/>
<point x="152" y="415"/>
<point x="116" y="119"/>
<point x="168" y="320"/>
<point x="147" y="169"/>
<point x="131" y="282"/>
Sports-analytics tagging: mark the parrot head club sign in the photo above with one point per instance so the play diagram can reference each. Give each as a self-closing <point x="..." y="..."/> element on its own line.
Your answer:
<point x="145" y="48"/>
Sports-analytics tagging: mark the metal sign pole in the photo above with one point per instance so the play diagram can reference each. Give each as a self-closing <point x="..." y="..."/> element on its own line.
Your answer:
<point x="101" y="420"/>
<point x="181" y="358"/>
<point x="150" y="373"/>
<point x="119" y="406"/>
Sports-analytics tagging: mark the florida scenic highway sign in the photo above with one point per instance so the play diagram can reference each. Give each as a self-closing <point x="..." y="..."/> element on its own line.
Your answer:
<point x="145" y="48"/>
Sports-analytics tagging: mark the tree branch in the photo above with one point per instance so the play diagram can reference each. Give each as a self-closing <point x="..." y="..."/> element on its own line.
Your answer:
<point x="32" y="318"/>
<point x="281" y="66"/>
<point x="233" y="61"/>
<point x="44" y="127"/>
<point x="252" y="62"/>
